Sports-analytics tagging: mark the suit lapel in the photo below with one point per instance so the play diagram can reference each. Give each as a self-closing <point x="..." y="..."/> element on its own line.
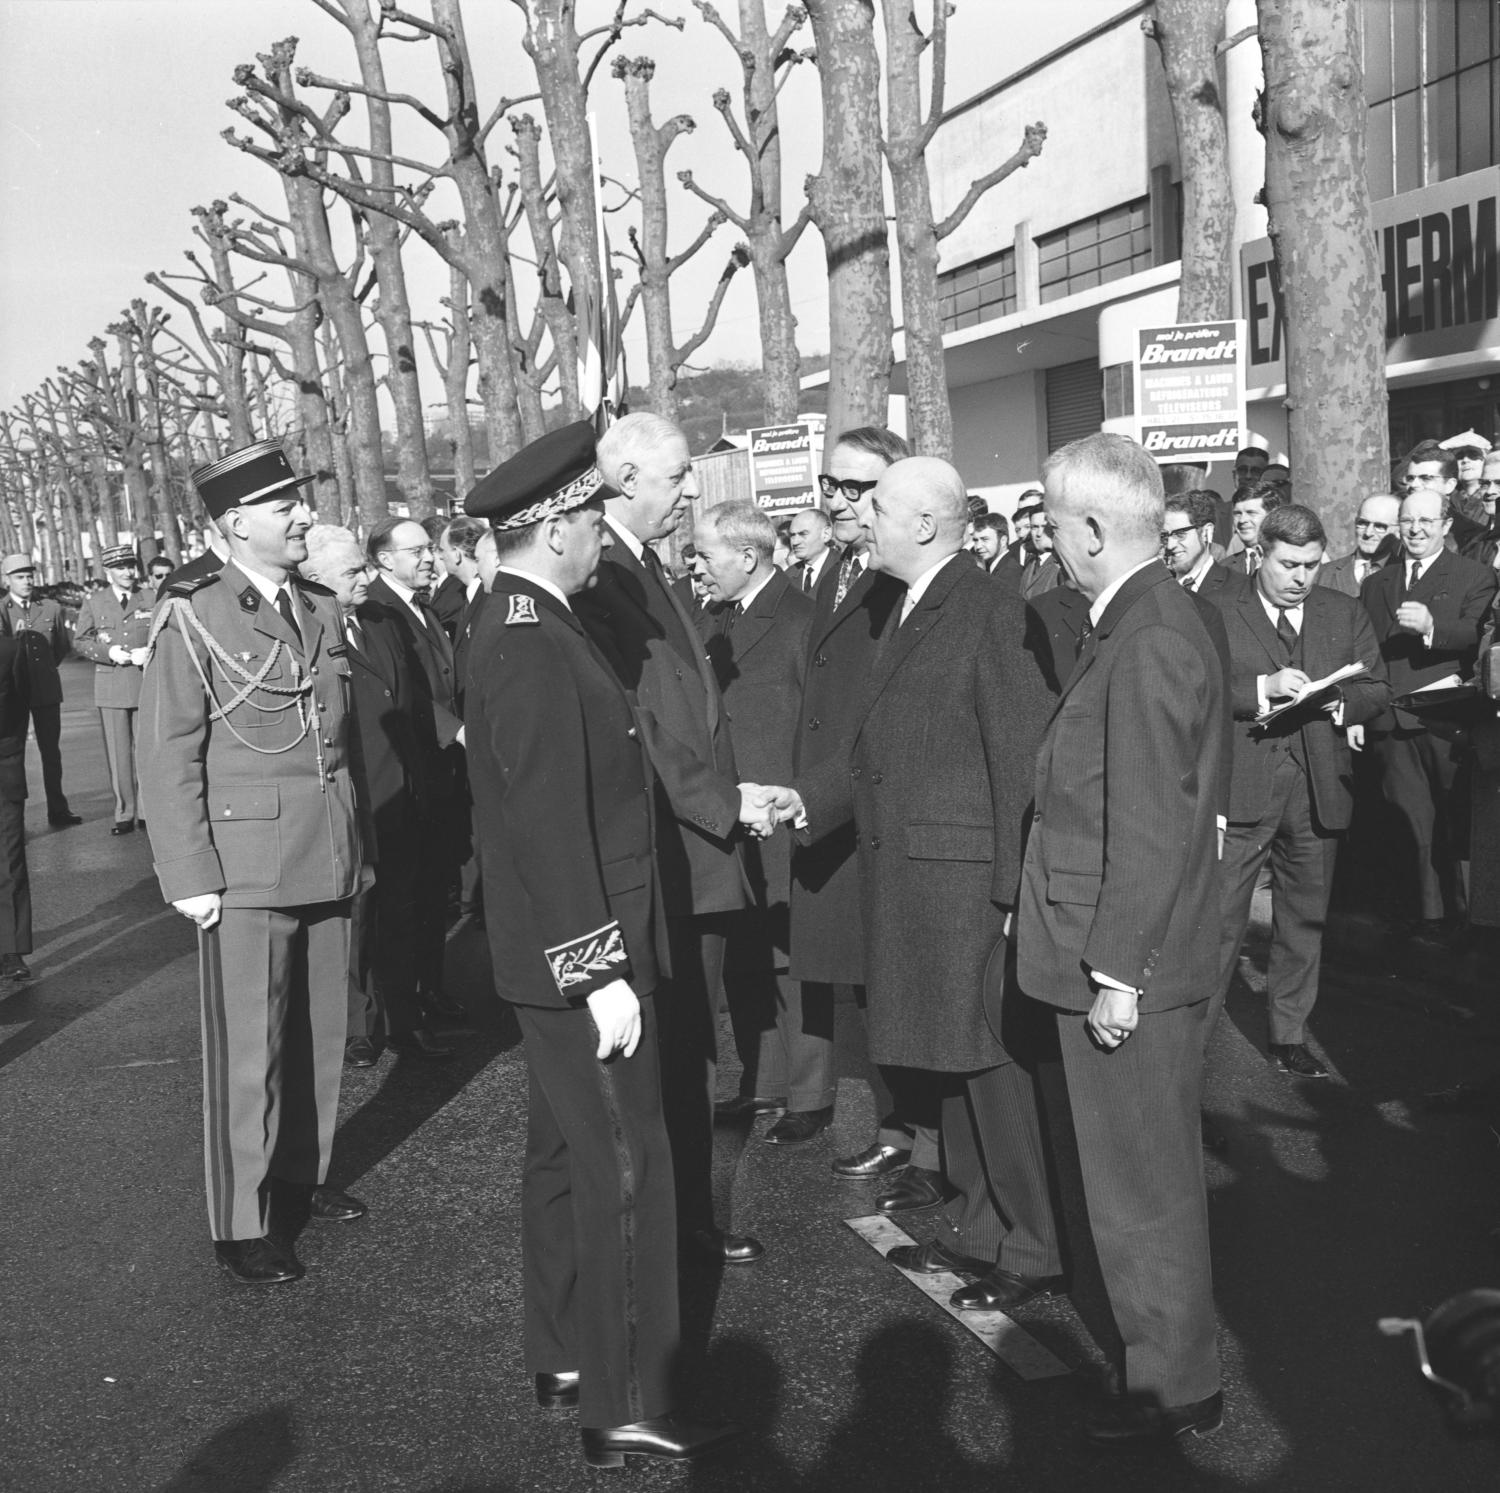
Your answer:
<point x="758" y="621"/>
<point x="1121" y="602"/>
<point x="1254" y="617"/>
<point x="903" y="638"/>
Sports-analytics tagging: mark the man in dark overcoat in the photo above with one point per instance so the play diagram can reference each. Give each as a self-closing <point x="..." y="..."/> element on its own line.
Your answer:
<point x="758" y="647"/>
<point x="15" y="883"/>
<point x="563" y="804"/>
<point x="639" y="623"/>
<point x="936" y="785"/>
<point x="247" y="776"/>
<point x="1118" y="926"/>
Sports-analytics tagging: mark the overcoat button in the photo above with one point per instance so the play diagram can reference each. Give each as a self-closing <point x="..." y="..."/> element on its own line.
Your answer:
<point x="874" y="842"/>
<point x="814" y="723"/>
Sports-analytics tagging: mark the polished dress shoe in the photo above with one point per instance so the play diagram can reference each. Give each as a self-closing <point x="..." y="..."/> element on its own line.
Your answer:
<point x="747" y="1105"/>
<point x="667" y="1437"/>
<point x="258" y="1262"/>
<point x="440" y="1008"/>
<point x="123" y="827"/>
<point x="799" y="1126"/>
<point x="419" y="1043"/>
<point x="1125" y="1421"/>
<point x="1294" y="1058"/>
<point x="911" y="1188"/>
<point x="329" y="1205"/>
<point x="934" y="1258"/>
<point x="999" y="1290"/>
<point x="64" y="819"/>
<point x="13" y="967"/>
<point x="359" y="1052"/>
<point x="723" y="1247"/>
<point x="557" y="1391"/>
<point x="874" y="1161"/>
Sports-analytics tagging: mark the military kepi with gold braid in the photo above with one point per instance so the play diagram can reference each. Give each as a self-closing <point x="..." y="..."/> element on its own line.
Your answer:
<point x="253" y="474"/>
<point x="553" y="475"/>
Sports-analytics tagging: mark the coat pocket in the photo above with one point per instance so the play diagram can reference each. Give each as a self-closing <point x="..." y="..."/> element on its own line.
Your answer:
<point x="247" y="835"/>
<point x="950" y="842"/>
<point x="624" y="876"/>
<point x="1079" y="888"/>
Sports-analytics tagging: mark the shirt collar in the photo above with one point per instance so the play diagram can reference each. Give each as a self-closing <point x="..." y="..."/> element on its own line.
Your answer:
<point x="625" y="537"/>
<point x="1107" y="595"/>
<point x="918" y="587"/>
<point x="1273" y="611"/>
<point x="1423" y="566"/>
<point x="268" y="589"/>
<point x="746" y="597"/>
<point x="1201" y="569"/>
<point x="471" y="588"/>
<point x="536" y="580"/>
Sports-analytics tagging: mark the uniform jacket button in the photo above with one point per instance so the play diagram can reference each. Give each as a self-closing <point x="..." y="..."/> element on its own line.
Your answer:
<point x="821" y="659"/>
<point x="874" y="842"/>
<point x="876" y="777"/>
<point x="814" y="723"/>
<point x="854" y="772"/>
<point x="631" y="732"/>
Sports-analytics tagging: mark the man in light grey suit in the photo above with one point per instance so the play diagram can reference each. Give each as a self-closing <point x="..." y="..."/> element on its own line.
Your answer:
<point x="1374" y="543"/>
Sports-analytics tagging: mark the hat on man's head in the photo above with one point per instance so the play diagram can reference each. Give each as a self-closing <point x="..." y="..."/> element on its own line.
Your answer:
<point x="1463" y="439"/>
<point x="554" y="474"/>
<point x="252" y="474"/>
<point x="13" y="563"/>
<point x="118" y="554"/>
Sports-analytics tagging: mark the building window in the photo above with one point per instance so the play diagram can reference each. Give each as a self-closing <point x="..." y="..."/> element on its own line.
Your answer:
<point x="978" y="292"/>
<point x="1119" y="391"/>
<point x="1432" y="82"/>
<point x="1094" y="251"/>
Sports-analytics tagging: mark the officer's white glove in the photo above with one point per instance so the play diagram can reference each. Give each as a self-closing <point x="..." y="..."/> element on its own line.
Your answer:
<point x="138" y="657"/>
<point x="617" y="1015"/>
<point x="118" y="655"/>
<point x="204" y="910"/>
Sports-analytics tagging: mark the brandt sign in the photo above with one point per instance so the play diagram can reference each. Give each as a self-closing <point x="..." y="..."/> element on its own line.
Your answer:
<point x="781" y="468"/>
<point x="1190" y="390"/>
<point x="1439" y="266"/>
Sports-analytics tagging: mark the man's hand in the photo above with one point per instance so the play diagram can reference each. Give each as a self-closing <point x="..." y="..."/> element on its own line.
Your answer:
<point x="366" y="877"/>
<point x="757" y="810"/>
<point x="787" y="803"/>
<point x="617" y="1016"/>
<point x="118" y="655"/>
<point x="1113" y="1016"/>
<point x="1355" y="736"/>
<point x="204" y="910"/>
<point x="1413" y="616"/>
<point x="1286" y="684"/>
<point x="138" y="657"/>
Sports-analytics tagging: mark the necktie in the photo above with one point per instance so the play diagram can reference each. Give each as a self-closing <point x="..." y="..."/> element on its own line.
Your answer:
<point x="807" y="577"/>
<point x="284" y="606"/>
<point x="1286" y="632"/>
<point x="849" y="570"/>
<point x="1084" y="634"/>
<point x="1252" y="561"/>
<point x="1413" y="575"/>
<point x="351" y="627"/>
<point x="1186" y="582"/>
<point x="730" y="615"/>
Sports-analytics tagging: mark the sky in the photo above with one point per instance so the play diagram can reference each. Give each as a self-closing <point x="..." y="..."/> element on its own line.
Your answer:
<point x="111" y="113"/>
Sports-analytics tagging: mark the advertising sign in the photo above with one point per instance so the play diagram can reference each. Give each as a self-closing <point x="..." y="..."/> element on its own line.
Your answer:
<point x="781" y="468"/>
<point x="1439" y="279"/>
<point x="1190" y="390"/>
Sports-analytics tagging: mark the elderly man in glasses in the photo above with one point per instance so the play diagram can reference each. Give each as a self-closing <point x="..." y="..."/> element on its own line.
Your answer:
<point x="1375" y="543"/>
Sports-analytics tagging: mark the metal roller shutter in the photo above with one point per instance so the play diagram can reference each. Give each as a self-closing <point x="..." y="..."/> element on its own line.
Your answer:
<point x="1075" y="402"/>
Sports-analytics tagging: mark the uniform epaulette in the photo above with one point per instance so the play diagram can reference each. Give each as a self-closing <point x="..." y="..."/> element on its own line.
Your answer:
<point x="188" y="584"/>
<point x="313" y="588"/>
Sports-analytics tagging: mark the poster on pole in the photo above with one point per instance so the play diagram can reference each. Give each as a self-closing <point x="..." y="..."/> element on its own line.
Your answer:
<point x="781" y="468"/>
<point x="1190" y="391"/>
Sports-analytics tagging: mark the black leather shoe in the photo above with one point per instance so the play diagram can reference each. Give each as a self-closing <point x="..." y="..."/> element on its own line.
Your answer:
<point x="329" y="1205"/>
<point x="258" y="1262"/>
<point x="557" y="1391"/>
<point x="420" y="1043"/>
<point x="747" y="1105"/>
<point x="1294" y="1058"/>
<point x="874" y="1161"/>
<point x="999" y="1290"/>
<point x="359" y="1052"/>
<point x="123" y="827"/>
<point x="13" y="967"/>
<point x="934" y="1257"/>
<point x="1125" y="1421"/>
<point x="724" y="1247"/>
<point x="440" y="1008"/>
<point x="797" y="1127"/>
<point x="666" y="1437"/>
<point x="912" y="1188"/>
<point x="64" y="819"/>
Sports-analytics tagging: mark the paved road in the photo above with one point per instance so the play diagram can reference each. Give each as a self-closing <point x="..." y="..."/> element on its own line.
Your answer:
<point x="128" y="1362"/>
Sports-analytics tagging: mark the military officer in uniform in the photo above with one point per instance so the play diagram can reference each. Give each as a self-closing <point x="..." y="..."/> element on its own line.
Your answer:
<point x="563" y="810"/>
<point x="38" y="626"/>
<point x="114" y="625"/>
<point x="246" y="777"/>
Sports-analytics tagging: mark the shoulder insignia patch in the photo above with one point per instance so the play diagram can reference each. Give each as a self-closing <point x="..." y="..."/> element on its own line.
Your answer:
<point x="522" y="612"/>
<point x="189" y="584"/>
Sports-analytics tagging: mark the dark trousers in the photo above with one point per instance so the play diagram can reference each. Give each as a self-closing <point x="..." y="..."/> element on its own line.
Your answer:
<point x="1421" y="781"/>
<point x="1302" y="861"/>
<point x="273" y="984"/>
<point x="992" y="1153"/>
<point x="908" y="1103"/>
<point x="46" y="726"/>
<point x="15" y="883"/>
<point x="383" y="955"/>
<point x="1135" y="1115"/>
<point x="783" y="1029"/>
<point x="687" y="1009"/>
<point x="598" y="1222"/>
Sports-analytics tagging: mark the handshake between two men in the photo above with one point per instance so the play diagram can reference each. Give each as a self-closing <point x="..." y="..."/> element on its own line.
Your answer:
<point x="762" y="808"/>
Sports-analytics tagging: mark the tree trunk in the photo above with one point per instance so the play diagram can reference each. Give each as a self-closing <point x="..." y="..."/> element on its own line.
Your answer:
<point x="346" y="485"/>
<point x="1187" y="31"/>
<point x="393" y="306"/>
<point x="849" y="210"/>
<point x="1318" y="200"/>
<point x="125" y="419"/>
<point x="456" y="386"/>
<point x="153" y="425"/>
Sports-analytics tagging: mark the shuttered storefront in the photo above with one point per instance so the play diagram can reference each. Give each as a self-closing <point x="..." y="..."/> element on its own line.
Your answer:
<point x="1075" y="402"/>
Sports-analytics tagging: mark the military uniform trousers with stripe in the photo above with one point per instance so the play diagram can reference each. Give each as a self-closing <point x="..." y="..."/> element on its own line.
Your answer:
<point x="273" y="982"/>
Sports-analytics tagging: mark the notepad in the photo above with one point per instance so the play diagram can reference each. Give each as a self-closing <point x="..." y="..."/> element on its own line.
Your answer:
<point x="1318" y="692"/>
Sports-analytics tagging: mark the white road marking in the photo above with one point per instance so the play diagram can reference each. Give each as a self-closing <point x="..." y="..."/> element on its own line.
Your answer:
<point x="1002" y="1335"/>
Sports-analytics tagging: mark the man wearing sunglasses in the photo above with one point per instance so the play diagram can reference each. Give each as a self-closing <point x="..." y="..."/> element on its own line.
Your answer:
<point x="1375" y="542"/>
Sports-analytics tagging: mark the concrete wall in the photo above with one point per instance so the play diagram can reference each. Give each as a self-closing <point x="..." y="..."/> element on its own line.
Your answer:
<point x="1000" y="432"/>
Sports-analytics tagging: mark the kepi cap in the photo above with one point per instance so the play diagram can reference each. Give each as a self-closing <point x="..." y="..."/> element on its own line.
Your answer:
<point x="554" y="474"/>
<point x="117" y="554"/>
<point x="12" y="563"/>
<point x="1465" y="438"/>
<point x="252" y="474"/>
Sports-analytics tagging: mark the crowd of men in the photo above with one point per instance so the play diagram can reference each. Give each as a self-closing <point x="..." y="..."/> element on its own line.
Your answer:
<point x="1000" y="805"/>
